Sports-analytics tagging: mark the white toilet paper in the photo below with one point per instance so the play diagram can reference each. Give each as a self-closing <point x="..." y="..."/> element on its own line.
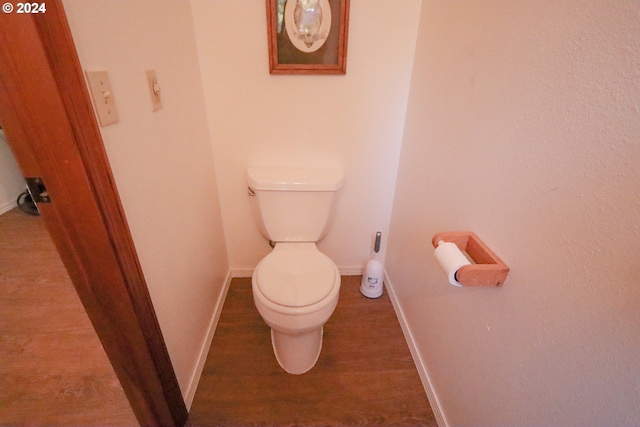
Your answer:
<point x="450" y="258"/>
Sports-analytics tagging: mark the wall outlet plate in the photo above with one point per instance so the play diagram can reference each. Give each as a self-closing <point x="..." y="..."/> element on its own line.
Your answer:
<point x="102" y="96"/>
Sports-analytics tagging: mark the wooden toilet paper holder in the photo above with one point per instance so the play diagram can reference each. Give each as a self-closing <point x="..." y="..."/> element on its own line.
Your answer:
<point x="488" y="270"/>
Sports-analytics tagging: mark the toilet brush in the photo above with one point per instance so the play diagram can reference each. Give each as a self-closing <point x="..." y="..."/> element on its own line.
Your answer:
<point x="371" y="286"/>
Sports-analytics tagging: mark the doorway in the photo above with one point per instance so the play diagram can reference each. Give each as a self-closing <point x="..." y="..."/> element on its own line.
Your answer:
<point x="53" y="369"/>
<point x="48" y="118"/>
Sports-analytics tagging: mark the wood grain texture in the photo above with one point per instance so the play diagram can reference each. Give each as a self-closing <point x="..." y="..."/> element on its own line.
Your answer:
<point x="53" y="369"/>
<point x="365" y="375"/>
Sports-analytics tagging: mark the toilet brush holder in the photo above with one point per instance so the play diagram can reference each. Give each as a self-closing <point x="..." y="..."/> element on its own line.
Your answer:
<point x="371" y="286"/>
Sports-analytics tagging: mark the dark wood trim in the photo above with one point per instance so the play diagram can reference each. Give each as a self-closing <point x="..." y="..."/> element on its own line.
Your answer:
<point x="47" y="115"/>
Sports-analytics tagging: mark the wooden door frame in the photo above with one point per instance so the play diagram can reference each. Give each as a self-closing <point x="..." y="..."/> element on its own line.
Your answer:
<point x="47" y="115"/>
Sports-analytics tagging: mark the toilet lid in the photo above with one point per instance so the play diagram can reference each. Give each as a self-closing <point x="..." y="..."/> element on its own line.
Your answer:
<point x="296" y="277"/>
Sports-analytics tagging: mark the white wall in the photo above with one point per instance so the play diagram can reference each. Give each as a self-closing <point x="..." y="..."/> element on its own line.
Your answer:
<point x="523" y="126"/>
<point x="11" y="182"/>
<point x="162" y="162"/>
<point x="353" y="121"/>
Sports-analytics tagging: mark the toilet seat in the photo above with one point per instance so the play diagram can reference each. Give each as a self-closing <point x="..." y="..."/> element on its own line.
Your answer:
<point x="295" y="275"/>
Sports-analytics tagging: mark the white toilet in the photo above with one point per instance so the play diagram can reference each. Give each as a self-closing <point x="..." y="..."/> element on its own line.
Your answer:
<point x="295" y="287"/>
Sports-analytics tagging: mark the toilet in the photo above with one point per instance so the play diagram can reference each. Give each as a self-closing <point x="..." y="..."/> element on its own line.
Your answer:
<point x="295" y="287"/>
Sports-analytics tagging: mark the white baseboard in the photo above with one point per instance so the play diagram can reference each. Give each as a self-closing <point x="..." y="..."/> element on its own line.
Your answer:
<point x="7" y="206"/>
<point x="344" y="271"/>
<point x="241" y="273"/>
<point x="417" y="358"/>
<point x="353" y="270"/>
<point x="204" y="350"/>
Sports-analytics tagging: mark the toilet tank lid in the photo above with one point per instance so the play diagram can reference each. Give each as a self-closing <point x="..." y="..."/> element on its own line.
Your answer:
<point x="295" y="179"/>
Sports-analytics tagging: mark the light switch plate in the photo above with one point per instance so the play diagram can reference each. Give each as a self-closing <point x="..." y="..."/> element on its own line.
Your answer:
<point x="154" y="90"/>
<point x="102" y="97"/>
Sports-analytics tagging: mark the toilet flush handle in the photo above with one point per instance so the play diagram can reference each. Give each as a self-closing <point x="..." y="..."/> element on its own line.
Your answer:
<point x="251" y="191"/>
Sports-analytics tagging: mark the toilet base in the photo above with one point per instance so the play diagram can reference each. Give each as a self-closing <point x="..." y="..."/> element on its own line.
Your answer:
<point x="297" y="354"/>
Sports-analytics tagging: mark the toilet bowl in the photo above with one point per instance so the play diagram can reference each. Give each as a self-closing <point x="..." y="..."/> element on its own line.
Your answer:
<point x="295" y="287"/>
<point x="295" y="290"/>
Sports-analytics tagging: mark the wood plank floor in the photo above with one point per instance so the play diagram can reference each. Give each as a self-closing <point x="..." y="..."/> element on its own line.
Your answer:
<point x="53" y="369"/>
<point x="365" y="375"/>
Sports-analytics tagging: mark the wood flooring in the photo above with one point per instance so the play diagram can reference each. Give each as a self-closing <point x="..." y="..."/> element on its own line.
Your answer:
<point x="53" y="369"/>
<point x="365" y="375"/>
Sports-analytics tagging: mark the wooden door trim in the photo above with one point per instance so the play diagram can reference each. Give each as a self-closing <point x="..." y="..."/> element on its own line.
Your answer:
<point x="48" y="117"/>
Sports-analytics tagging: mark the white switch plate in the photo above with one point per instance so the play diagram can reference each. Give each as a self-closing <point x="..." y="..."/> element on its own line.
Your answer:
<point x="154" y="90"/>
<point x="102" y="96"/>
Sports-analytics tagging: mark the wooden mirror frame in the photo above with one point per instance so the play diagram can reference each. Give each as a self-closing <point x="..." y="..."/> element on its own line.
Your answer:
<point x="303" y="63"/>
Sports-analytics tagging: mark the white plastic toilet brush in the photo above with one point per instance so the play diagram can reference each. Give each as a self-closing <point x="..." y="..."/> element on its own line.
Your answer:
<point x="371" y="286"/>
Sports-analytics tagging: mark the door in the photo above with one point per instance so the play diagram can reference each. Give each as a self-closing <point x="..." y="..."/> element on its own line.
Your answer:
<point x="47" y="115"/>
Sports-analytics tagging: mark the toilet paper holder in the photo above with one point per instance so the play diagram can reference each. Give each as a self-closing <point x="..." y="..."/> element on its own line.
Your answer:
<point x="488" y="269"/>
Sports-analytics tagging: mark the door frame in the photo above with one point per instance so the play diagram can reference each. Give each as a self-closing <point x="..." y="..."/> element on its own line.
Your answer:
<point x="47" y="115"/>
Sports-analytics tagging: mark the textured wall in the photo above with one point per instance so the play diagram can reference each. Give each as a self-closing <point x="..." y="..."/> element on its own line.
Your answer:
<point x="523" y="126"/>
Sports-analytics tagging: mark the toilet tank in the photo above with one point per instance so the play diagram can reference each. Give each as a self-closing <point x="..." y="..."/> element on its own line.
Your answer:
<point x="293" y="205"/>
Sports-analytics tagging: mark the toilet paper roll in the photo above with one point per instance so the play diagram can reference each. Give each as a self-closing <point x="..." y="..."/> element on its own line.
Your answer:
<point x="450" y="258"/>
